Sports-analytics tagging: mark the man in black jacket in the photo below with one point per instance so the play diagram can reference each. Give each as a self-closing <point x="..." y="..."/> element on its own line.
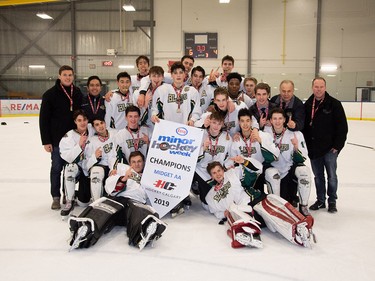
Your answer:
<point x="55" y="119"/>
<point x="325" y="134"/>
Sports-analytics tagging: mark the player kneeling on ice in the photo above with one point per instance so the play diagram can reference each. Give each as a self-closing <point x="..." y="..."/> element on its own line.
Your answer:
<point x="125" y="206"/>
<point x="72" y="148"/>
<point x="230" y="198"/>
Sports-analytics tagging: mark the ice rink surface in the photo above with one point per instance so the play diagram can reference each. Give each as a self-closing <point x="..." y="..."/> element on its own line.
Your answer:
<point x="34" y="239"/>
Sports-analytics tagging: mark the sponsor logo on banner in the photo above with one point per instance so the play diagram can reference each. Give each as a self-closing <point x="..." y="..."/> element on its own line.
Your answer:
<point x="170" y="164"/>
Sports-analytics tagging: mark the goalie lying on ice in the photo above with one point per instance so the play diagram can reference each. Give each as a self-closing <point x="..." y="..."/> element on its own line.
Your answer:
<point x="233" y="197"/>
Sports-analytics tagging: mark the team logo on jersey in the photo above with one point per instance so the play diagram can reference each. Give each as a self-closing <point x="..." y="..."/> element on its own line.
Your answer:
<point x="130" y="143"/>
<point x="172" y="98"/>
<point x="108" y="147"/>
<point x="245" y="153"/>
<point x="284" y="147"/>
<point x="121" y="107"/>
<point x="218" y="149"/>
<point x="223" y="192"/>
<point x="135" y="177"/>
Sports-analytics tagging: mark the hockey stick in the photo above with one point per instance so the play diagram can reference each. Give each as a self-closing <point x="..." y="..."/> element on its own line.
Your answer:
<point x="360" y="145"/>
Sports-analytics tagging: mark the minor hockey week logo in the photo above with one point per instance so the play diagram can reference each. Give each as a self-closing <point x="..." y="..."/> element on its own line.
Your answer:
<point x="176" y="145"/>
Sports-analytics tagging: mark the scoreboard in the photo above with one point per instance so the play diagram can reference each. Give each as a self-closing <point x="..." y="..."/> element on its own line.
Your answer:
<point x="201" y="45"/>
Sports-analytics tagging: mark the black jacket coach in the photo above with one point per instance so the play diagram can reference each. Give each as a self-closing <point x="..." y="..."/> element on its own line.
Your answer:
<point x="328" y="128"/>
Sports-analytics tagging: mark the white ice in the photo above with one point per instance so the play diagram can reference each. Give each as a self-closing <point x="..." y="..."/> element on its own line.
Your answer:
<point x="34" y="239"/>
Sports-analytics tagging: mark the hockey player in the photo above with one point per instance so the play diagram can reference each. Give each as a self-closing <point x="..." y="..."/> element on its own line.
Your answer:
<point x="249" y="84"/>
<point x="143" y="65"/>
<point x="256" y="144"/>
<point x="72" y="147"/>
<point x="97" y="155"/>
<point x="290" y="164"/>
<point x="121" y="99"/>
<point x="176" y="102"/>
<point x="205" y="90"/>
<point x="125" y="206"/>
<point x="144" y="97"/>
<point x="222" y="105"/>
<point x="237" y="96"/>
<point x="132" y="138"/>
<point x="226" y="198"/>
<point x="260" y="110"/>
<point x="215" y="147"/>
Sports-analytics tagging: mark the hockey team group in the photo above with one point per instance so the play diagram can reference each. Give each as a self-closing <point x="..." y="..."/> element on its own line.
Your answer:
<point x="250" y="172"/>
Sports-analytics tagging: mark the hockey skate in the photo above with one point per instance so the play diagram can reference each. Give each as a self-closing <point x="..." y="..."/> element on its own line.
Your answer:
<point x="244" y="229"/>
<point x="69" y="206"/>
<point x="303" y="210"/>
<point x="303" y="235"/>
<point x="152" y="228"/>
<point x="178" y="210"/>
<point x="187" y="202"/>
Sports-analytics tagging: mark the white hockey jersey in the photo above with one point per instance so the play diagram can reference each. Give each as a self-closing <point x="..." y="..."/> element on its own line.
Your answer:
<point x="71" y="151"/>
<point x="264" y="152"/>
<point x="165" y="104"/>
<point x="115" y="110"/>
<point x="132" y="188"/>
<point x="107" y="146"/>
<point x="288" y="155"/>
<point x="127" y="141"/>
<point x="217" y="151"/>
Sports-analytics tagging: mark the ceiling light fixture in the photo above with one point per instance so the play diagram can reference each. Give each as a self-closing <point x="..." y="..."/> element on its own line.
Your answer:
<point x="224" y="1"/>
<point x="126" y="66"/>
<point x="128" y="8"/>
<point x="328" y="67"/>
<point x="44" y="16"/>
<point x="35" y="66"/>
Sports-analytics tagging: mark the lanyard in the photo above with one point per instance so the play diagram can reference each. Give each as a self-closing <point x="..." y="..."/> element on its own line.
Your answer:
<point x="314" y="110"/>
<point x="219" y="185"/>
<point x="248" y="147"/>
<point x="275" y="138"/>
<point x="95" y="111"/>
<point x="179" y="99"/>
<point x="213" y="147"/>
<point x="135" y="141"/>
<point x="70" y="97"/>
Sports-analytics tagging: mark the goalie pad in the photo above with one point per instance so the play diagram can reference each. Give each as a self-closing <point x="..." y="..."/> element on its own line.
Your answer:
<point x="272" y="178"/>
<point x="136" y="225"/>
<point x="71" y="173"/>
<point x="280" y="216"/>
<point x="243" y="228"/>
<point x="99" y="216"/>
<point x="96" y="182"/>
<point x="303" y="176"/>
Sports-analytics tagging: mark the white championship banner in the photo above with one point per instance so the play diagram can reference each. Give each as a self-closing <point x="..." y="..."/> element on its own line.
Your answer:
<point x="170" y="164"/>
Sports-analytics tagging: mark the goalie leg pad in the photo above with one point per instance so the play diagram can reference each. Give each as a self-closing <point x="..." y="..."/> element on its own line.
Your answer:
<point x="303" y="176"/>
<point x="244" y="229"/>
<point x="136" y="213"/>
<point x="280" y="216"/>
<point x="272" y="178"/>
<point x="96" y="182"/>
<point x="98" y="216"/>
<point x="71" y="173"/>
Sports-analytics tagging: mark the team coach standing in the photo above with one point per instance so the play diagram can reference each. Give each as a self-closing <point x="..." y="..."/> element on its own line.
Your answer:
<point x="325" y="133"/>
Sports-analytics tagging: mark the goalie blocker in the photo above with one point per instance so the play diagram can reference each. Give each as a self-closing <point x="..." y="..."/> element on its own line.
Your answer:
<point x="142" y="222"/>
